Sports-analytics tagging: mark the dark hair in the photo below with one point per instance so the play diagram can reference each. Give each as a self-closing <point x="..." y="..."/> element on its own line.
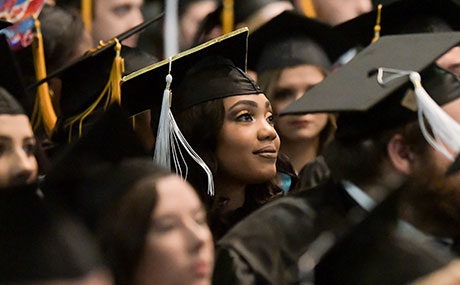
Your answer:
<point x="125" y="226"/>
<point x="62" y="33"/>
<point x="267" y="81"/>
<point x="359" y="159"/>
<point x="201" y="125"/>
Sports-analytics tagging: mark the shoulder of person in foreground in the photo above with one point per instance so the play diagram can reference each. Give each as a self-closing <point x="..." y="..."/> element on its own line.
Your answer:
<point x="264" y="246"/>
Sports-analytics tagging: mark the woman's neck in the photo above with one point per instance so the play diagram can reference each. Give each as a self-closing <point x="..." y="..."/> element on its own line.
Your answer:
<point x="300" y="152"/>
<point x="230" y="194"/>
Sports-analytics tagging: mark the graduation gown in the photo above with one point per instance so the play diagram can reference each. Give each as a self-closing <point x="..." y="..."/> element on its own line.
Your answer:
<point x="264" y="248"/>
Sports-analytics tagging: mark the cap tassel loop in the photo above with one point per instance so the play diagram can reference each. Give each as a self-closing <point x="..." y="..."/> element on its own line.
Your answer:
<point x="377" y="27"/>
<point x="43" y="110"/>
<point x="170" y="138"/>
<point x="111" y="92"/>
<point x="228" y="16"/>
<point x="446" y="131"/>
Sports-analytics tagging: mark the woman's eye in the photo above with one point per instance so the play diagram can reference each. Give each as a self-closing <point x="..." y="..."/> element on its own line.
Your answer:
<point x="2" y="149"/>
<point x="271" y="120"/>
<point x="29" y="149"/>
<point x="122" y="10"/>
<point x="245" y="117"/>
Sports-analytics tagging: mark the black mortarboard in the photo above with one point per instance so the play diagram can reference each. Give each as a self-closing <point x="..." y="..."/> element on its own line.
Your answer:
<point x="39" y="242"/>
<point x="294" y="40"/>
<point x="4" y="24"/>
<point x="11" y="80"/>
<point x="84" y="80"/>
<point x="107" y="142"/>
<point x="404" y="17"/>
<point x="379" y="251"/>
<point x="365" y="104"/>
<point x="209" y="71"/>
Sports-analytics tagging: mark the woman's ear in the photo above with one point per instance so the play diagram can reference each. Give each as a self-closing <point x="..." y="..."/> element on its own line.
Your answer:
<point x="400" y="154"/>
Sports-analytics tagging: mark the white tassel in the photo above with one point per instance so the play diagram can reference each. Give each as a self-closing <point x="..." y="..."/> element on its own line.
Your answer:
<point x="162" y="154"/>
<point x="446" y="131"/>
<point x="170" y="138"/>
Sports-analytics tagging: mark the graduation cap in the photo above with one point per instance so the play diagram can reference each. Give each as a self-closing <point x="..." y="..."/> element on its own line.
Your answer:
<point x="39" y="242"/>
<point x="294" y="40"/>
<point x="372" y="92"/>
<point x="213" y="70"/>
<point x="108" y="142"/>
<point x="93" y="80"/>
<point x="403" y="17"/>
<point x="388" y="253"/>
<point x="11" y="81"/>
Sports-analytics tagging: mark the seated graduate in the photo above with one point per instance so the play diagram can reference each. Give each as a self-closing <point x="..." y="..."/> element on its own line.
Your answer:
<point x="408" y="17"/>
<point x="226" y="120"/>
<point x="150" y="224"/>
<point x="42" y="244"/>
<point x="91" y="82"/>
<point x="296" y="56"/>
<point x="375" y="151"/>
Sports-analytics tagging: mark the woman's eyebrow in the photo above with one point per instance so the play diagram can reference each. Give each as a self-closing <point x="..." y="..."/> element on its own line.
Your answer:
<point x="244" y="102"/>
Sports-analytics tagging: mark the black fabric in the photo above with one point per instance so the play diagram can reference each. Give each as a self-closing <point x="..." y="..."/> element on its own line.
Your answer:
<point x="39" y="242"/>
<point x="219" y="78"/>
<point x="404" y="17"/>
<point x="89" y="161"/>
<point x="269" y="242"/>
<point x="386" y="255"/>
<point x="11" y="80"/>
<point x="294" y="40"/>
<point x="313" y="174"/>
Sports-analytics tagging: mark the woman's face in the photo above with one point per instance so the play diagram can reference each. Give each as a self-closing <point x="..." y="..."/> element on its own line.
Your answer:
<point x="292" y="84"/>
<point x="247" y="144"/>
<point x="179" y="246"/>
<point x="17" y="145"/>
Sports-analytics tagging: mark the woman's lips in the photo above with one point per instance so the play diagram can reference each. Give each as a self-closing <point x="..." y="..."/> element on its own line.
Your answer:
<point x="201" y="269"/>
<point x="300" y="123"/>
<point x="268" y="152"/>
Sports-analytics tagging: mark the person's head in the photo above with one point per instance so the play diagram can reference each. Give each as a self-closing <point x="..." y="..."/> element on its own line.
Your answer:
<point x="336" y="12"/>
<point x="191" y="13"/>
<point x="284" y="86"/>
<point x="236" y="126"/>
<point x="17" y="144"/>
<point x="113" y="17"/>
<point x="451" y="60"/>
<point x="169" y="241"/>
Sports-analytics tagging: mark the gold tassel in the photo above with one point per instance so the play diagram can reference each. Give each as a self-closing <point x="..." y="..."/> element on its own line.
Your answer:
<point x="308" y="8"/>
<point x="45" y="111"/>
<point x="227" y="16"/>
<point x="87" y="13"/>
<point x="377" y="27"/>
<point x="111" y="92"/>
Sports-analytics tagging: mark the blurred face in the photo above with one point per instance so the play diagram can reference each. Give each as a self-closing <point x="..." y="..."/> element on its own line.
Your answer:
<point x="112" y="17"/>
<point x="179" y="247"/>
<point x="335" y="12"/>
<point x="429" y="182"/>
<point x="17" y="144"/>
<point x="192" y="18"/>
<point x="247" y="144"/>
<point x="451" y="60"/>
<point x="292" y="84"/>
